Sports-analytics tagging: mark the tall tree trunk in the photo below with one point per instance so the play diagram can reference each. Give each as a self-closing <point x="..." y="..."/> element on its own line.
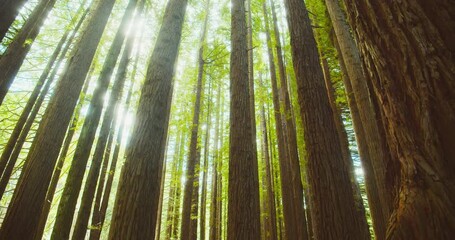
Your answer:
<point x="61" y="160"/>
<point x="215" y="171"/>
<point x="243" y="201"/>
<point x="412" y="78"/>
<point x="286" y="178"/>
<point x="189" y="196"/>
<point x="331" y="196"/>
<point x="76" y="173"/>
<point x="8" y="13"/>
<point x="380" y="160"/>
<point x="12" y="59"/>
<point x="103" y="193"/>
<point x="374" y="202"/>
<point x="291" y="139"/>
<point x="360" y="209"/>
<point x="139" y="183"/>
<point x="205" y="166"/>
<point x="108" y="121"/>
<point x="268" y="180"/>
<point x="29" y="196"/>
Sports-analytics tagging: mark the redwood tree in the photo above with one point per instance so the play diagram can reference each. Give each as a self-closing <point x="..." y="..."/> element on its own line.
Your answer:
<point x="331" y="195"/>
<point x="408" y="52"/>
<point x="140" y="179"/>
<point x="243" y="200"/>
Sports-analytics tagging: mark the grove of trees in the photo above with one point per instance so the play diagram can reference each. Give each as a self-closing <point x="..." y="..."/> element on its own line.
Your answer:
<point x="230" y="119"/>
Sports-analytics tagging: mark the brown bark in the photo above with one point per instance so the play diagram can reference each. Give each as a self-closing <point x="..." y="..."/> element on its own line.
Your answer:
<point x="8" y="13"/>
<point x="380" y="160"/>
<point x="214" y="206"/>
<point x="243" y="189"/>
<point x="331" y="196"/>
<point x="360" y="208"/>
<point x="139" y="183"/>
<point x="412" y="78"/>
<point x="12" y="59"/>
<point x="62" y="157"/>
<point x="285" y="168"/>
<point x="205" y="166"/>
<point x="379" y="222"/>
<point x="291" y="139"/>
<point x="271" y="211"/>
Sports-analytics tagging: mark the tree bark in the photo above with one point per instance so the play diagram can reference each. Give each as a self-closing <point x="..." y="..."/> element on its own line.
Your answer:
<point x="214" y="206"/>
<point x="61" y="160"/>
<point x="291" y="139"/>
<point x="374" y="202"/>
<point x="205" y="167"/>
<point x="331" y="196"/>
<point x="380" y="160"/>
<point x="360" y="209"/>
<point x="412" y="78"/>
<point x="12" y="59"/>
<point x="285" y="168"/>
<point x="8" y="13"/>
<point x="243" y="189"/>
<point x="29" y="196"/>
<point x="139" y="183"/>
<point x="268" y="181"/>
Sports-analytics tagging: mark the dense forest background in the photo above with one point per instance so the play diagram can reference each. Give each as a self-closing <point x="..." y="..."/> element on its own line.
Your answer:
<point x="270" y="119"/>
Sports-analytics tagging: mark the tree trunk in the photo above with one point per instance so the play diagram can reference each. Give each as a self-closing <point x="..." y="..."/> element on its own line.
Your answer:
<point x="8" y="13"/>
<point x="243" y="201"/>
<point x="268" y="179"/>
<point x="29" y="196"/>
<point x="76" y="173"/>
<point x="61" y="160"/>
<point x="331" y="196"/>
<point x="103" y="193"/>
<point x="285" y="168"/>
<point x="139" y="183"/>
<point x="412" y="78"/>
<point x="374" y="202"/>
<point x="380" y="160"/>
<point x="205" y="166"/>
<point x="108" y="121"/>
<point x="190" y="197"/>
<point x="12" y="59"/>
<point x="214" y="208"/>
<point x="291" y="139"/>
<point x="360" y="209"/>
